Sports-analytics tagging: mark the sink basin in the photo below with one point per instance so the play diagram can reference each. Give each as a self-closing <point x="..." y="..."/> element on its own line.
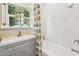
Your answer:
<point x="10" y="40"/>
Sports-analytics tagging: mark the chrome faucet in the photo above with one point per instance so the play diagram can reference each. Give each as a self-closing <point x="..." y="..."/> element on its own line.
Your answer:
<point x="73" y="49"/>
<point x="19" y="34"/>
<point x="76" y="41"/>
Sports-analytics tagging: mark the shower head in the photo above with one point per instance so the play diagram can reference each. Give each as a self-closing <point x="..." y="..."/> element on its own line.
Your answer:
<point x="70" y="5"/>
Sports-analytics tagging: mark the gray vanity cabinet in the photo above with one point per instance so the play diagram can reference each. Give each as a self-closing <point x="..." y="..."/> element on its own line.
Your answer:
<point x="23" y="48"/>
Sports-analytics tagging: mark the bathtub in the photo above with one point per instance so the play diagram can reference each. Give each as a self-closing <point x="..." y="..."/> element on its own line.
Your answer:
<point x="52" y="49"/>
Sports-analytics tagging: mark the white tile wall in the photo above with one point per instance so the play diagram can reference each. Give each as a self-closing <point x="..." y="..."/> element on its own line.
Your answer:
<point x="62" y="23"/>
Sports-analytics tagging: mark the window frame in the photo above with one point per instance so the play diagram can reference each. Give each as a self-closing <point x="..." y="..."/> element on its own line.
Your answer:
<point x="7" y="15"/>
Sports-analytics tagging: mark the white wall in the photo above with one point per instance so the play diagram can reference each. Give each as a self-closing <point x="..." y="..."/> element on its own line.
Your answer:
<point x="5" y="15"/>
<point x="62" y="23"/>
<point x="43" y="18"/>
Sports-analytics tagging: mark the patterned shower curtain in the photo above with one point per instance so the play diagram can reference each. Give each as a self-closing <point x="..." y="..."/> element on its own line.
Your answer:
<point x="37" y="29"/>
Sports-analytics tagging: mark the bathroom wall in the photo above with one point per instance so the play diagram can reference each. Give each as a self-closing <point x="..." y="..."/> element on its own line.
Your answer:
<point x="62" y="23"/>
<point x="43" y="18"/>
<point x="0" y="15"/>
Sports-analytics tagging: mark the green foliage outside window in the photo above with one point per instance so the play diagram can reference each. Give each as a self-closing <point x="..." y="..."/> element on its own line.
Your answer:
<point x="26" y="13"/>
<point x="11" y="9"/>
<point x="11" y="21"/>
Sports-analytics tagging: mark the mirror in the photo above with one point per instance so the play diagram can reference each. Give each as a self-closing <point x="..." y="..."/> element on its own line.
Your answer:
<point x="17" y="15"/>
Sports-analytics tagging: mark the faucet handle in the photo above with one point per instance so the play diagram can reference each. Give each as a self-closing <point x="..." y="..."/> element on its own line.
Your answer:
<point x="76" y="41"/>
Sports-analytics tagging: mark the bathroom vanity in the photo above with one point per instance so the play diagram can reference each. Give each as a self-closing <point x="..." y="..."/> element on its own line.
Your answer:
<point x="18" y="46"/>
<point x="16" y="17"/>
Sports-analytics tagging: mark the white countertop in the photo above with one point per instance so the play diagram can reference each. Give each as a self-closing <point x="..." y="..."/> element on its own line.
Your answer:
<point x="11" y="40"/>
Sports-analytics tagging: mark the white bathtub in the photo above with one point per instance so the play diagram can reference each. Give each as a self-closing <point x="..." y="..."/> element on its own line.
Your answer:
<point x="50" y="49"/>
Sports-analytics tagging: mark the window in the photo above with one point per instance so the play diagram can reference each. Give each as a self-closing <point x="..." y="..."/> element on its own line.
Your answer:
<point x="18" y="16"/>
<point x="11" y="12"/>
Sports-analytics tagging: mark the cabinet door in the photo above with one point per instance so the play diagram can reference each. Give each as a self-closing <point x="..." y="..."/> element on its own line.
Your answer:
<point x="26" y="49"/>
<point x="30" y="50"/>
<point x="16" y="53"/>
<point x="17" y="50"/>
<point x="6" y="50"/>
